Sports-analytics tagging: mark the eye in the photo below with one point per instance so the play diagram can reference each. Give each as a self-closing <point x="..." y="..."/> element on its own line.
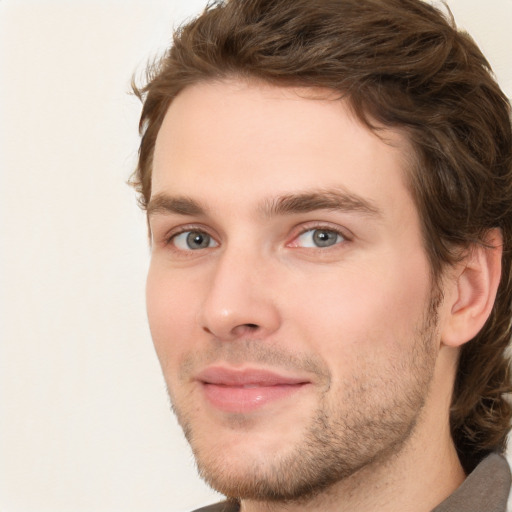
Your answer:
<point x="318" y="238"/>
<point x="193" y="240"/>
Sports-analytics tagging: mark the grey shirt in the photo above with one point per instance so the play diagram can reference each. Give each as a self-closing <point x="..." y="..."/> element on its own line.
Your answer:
<point x="485" y="489"/>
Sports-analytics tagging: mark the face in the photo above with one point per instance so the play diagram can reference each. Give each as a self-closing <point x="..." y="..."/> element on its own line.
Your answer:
<point x="288" y="294"/>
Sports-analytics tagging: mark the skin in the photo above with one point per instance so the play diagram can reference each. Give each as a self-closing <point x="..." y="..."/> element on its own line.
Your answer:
<point x="355" y="321"/>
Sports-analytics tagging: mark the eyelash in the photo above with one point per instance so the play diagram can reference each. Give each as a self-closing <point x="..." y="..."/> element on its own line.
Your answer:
<point x="322" y="227"/>
<point x="168" y="239"/>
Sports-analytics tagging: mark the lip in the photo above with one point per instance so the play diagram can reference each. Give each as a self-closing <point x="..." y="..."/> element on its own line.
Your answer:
<point x="246" y="390"/>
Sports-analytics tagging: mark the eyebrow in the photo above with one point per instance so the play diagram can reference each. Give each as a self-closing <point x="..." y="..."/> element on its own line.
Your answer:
<point x="288" y="204"/>
<point x="165" y="204"/>
<point x="332" y="199"/>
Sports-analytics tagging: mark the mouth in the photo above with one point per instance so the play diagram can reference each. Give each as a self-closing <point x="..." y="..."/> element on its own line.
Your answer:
<point x="243" y="391"/>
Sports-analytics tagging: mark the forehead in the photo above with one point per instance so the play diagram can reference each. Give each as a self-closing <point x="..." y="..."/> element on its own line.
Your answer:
<point x="224" y="140"/>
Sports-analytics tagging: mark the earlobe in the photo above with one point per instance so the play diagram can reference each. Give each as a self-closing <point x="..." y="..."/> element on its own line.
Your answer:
<point x="475" y="290"/>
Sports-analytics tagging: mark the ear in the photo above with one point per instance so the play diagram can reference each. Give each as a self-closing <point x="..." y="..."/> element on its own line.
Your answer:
<point x="473" y="290"/>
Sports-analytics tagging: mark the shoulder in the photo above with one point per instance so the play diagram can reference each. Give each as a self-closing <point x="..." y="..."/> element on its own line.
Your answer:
<point x="486" y="488"/>
<point x="224" y="506"/>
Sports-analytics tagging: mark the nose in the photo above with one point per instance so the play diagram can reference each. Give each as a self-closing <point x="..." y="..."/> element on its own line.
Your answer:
<point x="239" y="300"/>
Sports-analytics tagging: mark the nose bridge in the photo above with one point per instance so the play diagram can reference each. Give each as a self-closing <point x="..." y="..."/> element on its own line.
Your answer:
<point x="239" y="295"/>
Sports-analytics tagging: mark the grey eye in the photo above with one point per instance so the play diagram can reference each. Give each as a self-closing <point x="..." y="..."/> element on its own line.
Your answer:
<point x="193" y="240"/>
<point x="319" y="238"/>
<point x="324" y="238"/>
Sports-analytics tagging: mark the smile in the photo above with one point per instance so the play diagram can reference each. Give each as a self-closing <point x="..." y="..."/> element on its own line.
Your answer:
<point x="245" y="391"/>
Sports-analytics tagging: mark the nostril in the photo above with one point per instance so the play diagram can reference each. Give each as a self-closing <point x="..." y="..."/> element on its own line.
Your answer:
<point x="251" y="326"/>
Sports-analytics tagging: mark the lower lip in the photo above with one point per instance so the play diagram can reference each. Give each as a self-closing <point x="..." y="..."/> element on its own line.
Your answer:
<point x="242" y="400"/>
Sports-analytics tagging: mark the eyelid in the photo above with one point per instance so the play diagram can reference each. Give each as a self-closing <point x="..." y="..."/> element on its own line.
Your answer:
<point x="328" y="226"/>
<point x="167" y="237"/>
<point x="184" y="228"/>
<point x="318" y="225"/>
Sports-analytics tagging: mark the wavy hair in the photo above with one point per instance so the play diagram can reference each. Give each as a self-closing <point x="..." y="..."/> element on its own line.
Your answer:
<point x="400" y="64"/>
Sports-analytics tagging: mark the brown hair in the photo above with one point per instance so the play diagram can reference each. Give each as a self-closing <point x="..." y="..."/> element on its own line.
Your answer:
<point x="401" y="64"/>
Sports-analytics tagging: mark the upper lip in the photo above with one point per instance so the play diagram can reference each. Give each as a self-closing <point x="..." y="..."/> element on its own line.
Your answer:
<point x="246" y="377"/>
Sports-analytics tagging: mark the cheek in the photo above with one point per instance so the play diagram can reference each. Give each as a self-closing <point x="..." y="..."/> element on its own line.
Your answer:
<point x="374" y="306"/>
<point x="170" y="314"/>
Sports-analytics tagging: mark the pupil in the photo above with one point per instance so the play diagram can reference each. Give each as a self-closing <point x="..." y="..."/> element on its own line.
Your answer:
<point x="324" y="238"/>
<point x="197" y="240"/>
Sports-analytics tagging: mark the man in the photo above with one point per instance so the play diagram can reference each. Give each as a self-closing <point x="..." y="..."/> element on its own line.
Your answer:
<point x="328" y="186"/>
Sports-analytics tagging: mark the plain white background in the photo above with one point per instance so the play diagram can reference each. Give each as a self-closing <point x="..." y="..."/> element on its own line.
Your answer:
<point x="84" y="419"/>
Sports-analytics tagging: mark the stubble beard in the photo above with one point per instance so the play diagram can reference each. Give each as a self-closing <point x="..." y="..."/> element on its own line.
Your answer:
<point x="377" y="416"/>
